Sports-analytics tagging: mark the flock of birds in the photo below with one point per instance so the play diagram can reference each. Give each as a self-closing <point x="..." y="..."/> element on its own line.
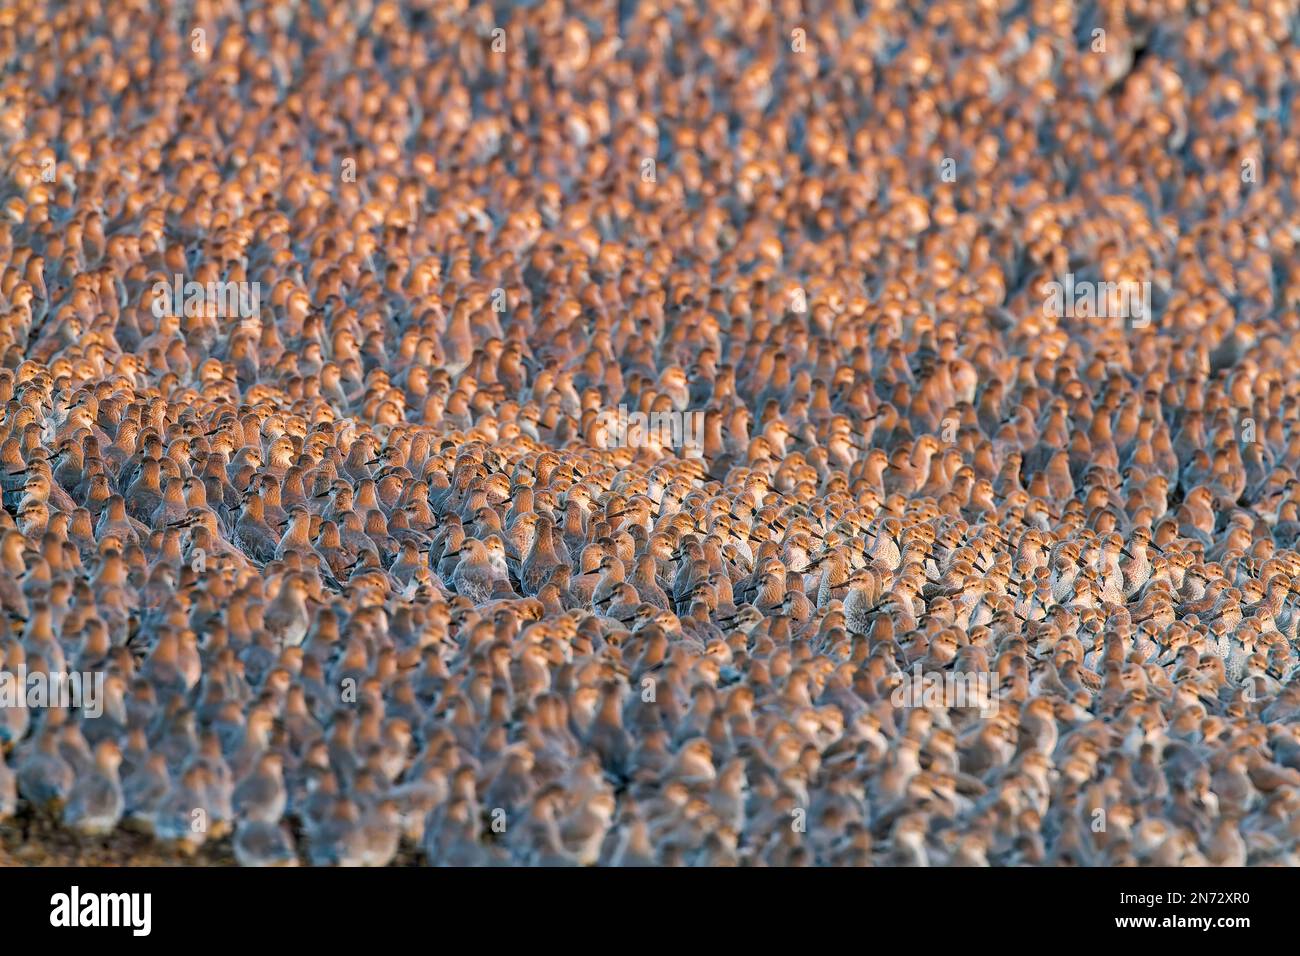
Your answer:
<point x="365" y="575"/>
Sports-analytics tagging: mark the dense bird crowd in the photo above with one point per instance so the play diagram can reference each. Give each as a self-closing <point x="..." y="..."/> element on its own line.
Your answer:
<point x="366" y="571"/>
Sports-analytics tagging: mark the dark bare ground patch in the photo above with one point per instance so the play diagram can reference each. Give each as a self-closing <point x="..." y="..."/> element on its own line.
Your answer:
<point x="35" y="838"/>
